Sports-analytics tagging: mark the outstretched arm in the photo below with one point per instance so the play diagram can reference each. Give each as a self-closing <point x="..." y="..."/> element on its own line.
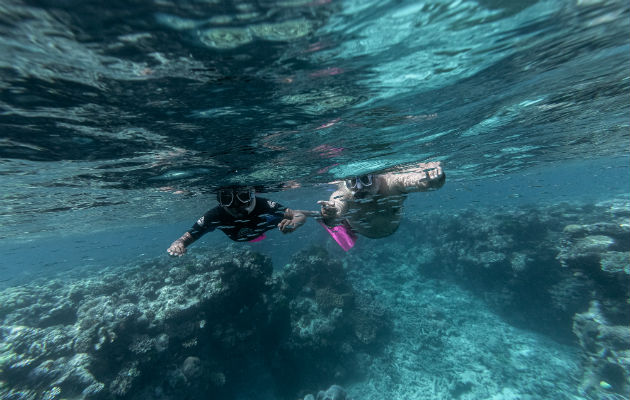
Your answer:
<point x="204" y="224"/>
<point x="422" y="177"/>
<point x="178" y="247"/>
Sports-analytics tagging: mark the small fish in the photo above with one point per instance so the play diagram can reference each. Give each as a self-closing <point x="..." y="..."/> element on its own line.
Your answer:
<point x="605" y="385"/>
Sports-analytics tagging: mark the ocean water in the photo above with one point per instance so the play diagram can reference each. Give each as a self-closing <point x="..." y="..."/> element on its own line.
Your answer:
<point x="119" y="120"/>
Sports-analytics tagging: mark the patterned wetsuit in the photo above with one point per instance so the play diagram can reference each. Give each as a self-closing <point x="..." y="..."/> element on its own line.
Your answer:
<point x="265" y="216"/>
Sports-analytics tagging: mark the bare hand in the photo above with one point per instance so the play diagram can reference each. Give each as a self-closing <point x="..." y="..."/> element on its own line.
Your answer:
<point x="289" y="225"/>
<point x="177" y="248"/>
<point x="328" y="209"/>
<point x="433" y="170"/>
<point x="286" y="226"/>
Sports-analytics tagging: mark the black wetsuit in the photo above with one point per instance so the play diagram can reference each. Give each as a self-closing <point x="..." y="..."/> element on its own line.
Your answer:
<point x="265" y="216"/>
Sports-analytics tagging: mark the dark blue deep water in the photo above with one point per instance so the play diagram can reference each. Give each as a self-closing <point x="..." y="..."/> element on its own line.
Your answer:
<point x="119" y="120"/>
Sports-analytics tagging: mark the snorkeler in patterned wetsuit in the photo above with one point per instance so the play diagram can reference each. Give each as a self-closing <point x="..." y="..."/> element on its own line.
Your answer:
<point x="371" y="205"/>
<point x="242" y="216"/>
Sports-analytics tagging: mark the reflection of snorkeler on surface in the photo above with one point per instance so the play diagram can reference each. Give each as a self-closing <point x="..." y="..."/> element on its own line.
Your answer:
<point x="371" y="205"/>
<point x="242" y="216"/>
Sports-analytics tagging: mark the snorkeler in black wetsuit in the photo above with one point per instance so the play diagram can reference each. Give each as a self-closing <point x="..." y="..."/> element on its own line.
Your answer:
<point x="242" y="216"/>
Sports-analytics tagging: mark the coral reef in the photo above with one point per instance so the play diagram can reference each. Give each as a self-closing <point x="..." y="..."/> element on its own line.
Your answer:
<point x="606" y="353"/>
<point x="541" y="268"/>
<point x="329" y="322"/>
<point x="446" y="343"/>
<point x="536" y="266"/>
<point x="176" y="329"/>
<point x="335" y="392"/>
<point x="224" y="325"/>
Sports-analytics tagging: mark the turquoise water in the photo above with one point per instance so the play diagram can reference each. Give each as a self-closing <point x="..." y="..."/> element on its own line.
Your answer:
<point x="119" y="120"/>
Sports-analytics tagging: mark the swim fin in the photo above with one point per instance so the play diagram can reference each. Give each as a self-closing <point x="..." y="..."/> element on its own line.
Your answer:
<point x="343" y="235"/>
<point x="257" y="238"/>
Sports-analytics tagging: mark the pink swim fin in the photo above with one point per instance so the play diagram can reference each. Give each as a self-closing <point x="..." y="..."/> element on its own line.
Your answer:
<point x="258" y="238"/>
<point x="343" y="235"/>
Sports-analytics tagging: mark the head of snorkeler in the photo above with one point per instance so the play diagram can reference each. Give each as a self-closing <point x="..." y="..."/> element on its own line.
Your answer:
<point x="362" y="186"/>
<point x="238" y="201"/>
